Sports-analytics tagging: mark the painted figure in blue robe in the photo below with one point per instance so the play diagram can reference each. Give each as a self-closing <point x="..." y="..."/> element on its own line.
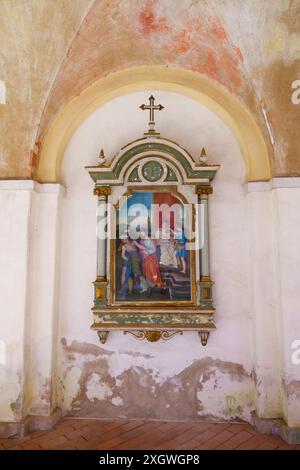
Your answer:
<point x="131" y="275"/>
<point x="181" y="251"/>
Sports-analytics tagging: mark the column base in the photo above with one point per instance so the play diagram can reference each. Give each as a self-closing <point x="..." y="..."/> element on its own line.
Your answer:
<point x="276" y="427"/>
<point x="205" y="294"/>
<point x="100" y="287"/>
<point x="29" y="424"/>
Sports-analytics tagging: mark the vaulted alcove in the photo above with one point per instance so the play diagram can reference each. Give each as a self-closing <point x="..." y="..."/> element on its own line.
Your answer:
<point x="93" y="391"/>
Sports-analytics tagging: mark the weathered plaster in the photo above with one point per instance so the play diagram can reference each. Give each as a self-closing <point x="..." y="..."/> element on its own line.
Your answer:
<point x="34" y="38"/>
<point x="177" y="379"/>
<point x="186" y="83"/>
<point x="2" y="92"/>
<point x="207" y="38"/>
<point x="248" y="46"/>
<point x="206" y="387"/>
<point x="38" y="394"/>
<point x="188" y="35"/>
<point x="10" y="392"/>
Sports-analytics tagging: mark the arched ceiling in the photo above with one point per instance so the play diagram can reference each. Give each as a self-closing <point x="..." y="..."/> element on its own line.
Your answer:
<point x="34" y="38"/>
<point x="52" y="51"/>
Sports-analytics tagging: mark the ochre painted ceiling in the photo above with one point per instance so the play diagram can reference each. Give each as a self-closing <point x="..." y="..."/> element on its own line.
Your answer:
<point x="51" y="50"/>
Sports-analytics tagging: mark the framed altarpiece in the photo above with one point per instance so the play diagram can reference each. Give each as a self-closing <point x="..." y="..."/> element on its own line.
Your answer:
<point x="153" y="272"/>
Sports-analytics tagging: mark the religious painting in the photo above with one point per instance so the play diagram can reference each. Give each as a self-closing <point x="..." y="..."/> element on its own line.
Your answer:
<point x="153" y="272"/>
<point x="152" y="254"/>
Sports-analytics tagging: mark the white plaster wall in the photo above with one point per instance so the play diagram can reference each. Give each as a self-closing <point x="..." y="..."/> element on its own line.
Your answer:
<point x="41" y="337"/>
<point x="287" y="207"/>
<point x="264" y="300"/>
<point x="15" y="204"/>
<point x="255" y="263"/>
<point x="28" y="283"/>
<point x="224" y="393"/>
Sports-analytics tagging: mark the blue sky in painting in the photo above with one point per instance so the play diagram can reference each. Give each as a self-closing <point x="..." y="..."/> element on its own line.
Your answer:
<point x="138" y="200"/>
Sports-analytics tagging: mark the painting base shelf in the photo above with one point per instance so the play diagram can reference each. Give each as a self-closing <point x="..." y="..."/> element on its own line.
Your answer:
<point x="153" y="326"/>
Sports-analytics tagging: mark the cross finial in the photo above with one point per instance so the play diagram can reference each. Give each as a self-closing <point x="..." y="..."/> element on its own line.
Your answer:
<point x="151" y="107"/>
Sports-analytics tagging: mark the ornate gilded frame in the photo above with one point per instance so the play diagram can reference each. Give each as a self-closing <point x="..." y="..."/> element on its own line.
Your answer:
<point x="112" y="251"/>
<point x="159" y="319"/>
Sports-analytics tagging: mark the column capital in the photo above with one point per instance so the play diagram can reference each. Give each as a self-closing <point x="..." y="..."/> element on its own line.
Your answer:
<point x="102" y="190"/>
<point x="200" y="190"/>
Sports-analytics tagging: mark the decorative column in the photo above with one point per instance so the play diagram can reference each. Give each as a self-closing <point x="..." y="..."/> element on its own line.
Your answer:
<point x="102" y="192"/>
<point x="100" y="284"/>
<point x="205" y="282"/>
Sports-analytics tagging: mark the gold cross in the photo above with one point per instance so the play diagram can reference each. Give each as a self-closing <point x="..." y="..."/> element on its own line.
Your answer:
<point x="151" y="107"/>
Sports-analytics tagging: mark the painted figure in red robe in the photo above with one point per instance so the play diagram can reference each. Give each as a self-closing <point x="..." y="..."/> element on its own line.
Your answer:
<point x="147" y="248"/>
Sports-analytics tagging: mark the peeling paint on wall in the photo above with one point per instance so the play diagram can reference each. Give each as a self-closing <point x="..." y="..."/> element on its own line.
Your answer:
<point x="39" y="398"/>
<point x="139" y="391"/>
<point x="10" y="399"/>
<point x="244" y="46"/>
<point x="34" y="38"/>
<point x="249" y="47"/>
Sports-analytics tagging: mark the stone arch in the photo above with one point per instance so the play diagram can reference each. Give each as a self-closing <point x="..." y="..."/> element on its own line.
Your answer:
<point x="193" y="85"/>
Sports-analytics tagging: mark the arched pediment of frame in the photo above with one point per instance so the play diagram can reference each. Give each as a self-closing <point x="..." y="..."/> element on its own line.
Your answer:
<point x="152" y="160"/>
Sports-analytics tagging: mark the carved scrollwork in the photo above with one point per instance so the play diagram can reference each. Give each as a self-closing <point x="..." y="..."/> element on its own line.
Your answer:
<point x="137" y="334"/>
<point x="152" y="335"/>
<point x="169" y="334"/>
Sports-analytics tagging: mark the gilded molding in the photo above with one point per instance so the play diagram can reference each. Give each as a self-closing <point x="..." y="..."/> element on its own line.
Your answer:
<point x="102" y="191"/>
<point x="158" y="318"/>
<point x="206" y="281"/>
<point x="203" y="190"/>
<point x="101" y="280"/>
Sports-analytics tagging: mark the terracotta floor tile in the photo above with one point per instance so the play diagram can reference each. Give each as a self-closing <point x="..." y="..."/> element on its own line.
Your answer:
<point x="286" y="446"/>
<point x="235" y="441"/>
<point x="238" y="427"/>
<point x="52" y="443"/>
<point x="253" y="442"/>
<point x="267" y="445"/>
<point x="187" y="435"/>
<point x="216" y="441"/>
<point x="74" y="433"/>
<point x="132" y="425"/>
<point x="203" y="437"/>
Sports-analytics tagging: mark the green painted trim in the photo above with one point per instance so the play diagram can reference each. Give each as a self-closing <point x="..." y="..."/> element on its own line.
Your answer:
<point x="134" y="177"/>
<point x="142" y="318"/>
<point x="152" y="147"/>
<point x="171" y="175"/>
